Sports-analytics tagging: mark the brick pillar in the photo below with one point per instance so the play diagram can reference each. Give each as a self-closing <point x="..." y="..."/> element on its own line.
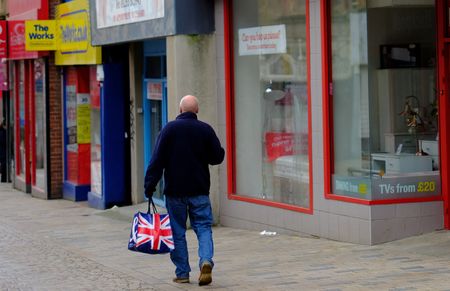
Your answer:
<point x="55" y="120"/>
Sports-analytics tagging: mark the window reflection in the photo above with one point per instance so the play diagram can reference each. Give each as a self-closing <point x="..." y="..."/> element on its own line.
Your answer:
<point x="271" y="101"/>
<point x="384" y="100"/>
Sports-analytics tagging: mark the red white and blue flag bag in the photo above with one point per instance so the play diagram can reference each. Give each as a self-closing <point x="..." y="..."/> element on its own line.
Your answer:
<point x="151" y="232"/>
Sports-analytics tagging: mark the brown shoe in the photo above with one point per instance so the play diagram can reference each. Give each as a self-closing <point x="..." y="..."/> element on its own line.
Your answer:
<point x="180" y="280"/>
<point x="205" y="274"/>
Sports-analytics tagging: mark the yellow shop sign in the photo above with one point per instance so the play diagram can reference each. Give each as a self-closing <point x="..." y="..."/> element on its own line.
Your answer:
<point x="73" y="25"/>
<point x="40" y="35"/>
<point x="74" y="35"/>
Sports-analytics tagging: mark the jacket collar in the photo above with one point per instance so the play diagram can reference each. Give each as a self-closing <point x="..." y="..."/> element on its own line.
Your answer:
<point x="187" y="115"/>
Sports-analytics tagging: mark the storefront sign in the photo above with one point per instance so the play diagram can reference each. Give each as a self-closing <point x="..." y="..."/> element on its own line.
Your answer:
<point x="154" y="91"/>
<point x="388" y="187"/>
<point x="262" y="40"/>
<point x="40" y="35"/>
<point x="74" y="30"/>
<point x="117" y="12"/>
<point x="74" y="36"/>
<point x="406" y="186"/>
<point x="16" y="41"/>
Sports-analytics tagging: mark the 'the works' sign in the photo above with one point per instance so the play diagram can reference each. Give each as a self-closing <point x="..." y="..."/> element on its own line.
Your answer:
<point x="40" y="35"/>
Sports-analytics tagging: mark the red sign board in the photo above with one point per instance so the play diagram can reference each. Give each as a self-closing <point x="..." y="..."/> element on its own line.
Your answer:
<point x="16" y="37"/>
<point x="3" y="40"/>
<point x="18" y="11"/>
<point x="280" y="144"/>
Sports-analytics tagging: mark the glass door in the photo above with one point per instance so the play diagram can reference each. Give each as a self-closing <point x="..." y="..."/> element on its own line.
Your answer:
<point x="155" y="116"/>
<point x="154" y="102"/>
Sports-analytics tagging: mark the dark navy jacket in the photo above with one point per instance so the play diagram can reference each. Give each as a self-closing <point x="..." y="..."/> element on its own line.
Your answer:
<point x="184" y="149"/>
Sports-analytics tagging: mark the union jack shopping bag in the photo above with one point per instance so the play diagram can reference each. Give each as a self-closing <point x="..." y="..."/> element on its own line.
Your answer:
<point x="151" y="232"/>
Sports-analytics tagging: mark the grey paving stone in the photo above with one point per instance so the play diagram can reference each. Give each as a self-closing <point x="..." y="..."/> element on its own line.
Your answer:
<point x="62" y="245"/>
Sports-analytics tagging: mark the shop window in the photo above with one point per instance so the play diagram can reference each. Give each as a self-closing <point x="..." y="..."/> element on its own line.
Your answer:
<point x="270" y="103"/>
<point x="382" y="104"/>
<point x="155" y="67"/>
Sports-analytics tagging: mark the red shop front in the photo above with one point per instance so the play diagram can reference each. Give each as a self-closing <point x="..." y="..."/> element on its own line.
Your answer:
<point x="28" y="75"/>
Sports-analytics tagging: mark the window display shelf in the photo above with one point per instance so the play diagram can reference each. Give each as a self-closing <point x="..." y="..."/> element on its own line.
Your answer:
<point x="398" y="3"/>
<point x="410" y="142"/>
<point x="431" y="147"/>
<point x="401" y="163"/>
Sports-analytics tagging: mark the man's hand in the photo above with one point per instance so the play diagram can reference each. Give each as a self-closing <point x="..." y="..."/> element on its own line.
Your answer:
<point x="149" y="192"/>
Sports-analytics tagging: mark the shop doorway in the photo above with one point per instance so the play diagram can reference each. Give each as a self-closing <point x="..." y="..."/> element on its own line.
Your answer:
<point x="29" y="93"/>
<point x="155" y="101"/>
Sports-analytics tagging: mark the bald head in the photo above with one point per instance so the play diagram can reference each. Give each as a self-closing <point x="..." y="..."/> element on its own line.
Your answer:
<point x="189" y="103"/>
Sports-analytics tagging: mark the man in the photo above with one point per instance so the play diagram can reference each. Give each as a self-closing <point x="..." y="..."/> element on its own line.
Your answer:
<point x="184" y="150"/>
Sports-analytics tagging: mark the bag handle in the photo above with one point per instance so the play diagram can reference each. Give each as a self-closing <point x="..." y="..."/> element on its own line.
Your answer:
<point x="150" y="201"/>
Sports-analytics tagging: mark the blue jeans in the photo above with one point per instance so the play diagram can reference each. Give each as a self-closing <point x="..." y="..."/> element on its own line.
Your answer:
<point x="200" y="215"/>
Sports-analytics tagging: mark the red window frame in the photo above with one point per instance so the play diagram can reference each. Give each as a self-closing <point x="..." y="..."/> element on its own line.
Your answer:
<point x="230" y="117"/>
<point x="28" y="99"/>
<point x="29" y="164"/>
<point x="443" y="63"/>
<point x="32" y="130"/>
<point x="32" y="114"/>
<point x="327" y="95"/>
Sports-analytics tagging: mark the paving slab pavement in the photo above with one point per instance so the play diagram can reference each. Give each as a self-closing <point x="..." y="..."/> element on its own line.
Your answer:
<point x="63" y="245"/>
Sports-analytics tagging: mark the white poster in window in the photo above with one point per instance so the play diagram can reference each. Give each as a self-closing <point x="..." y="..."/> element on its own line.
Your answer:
<point x="117" y="12"/>
<point x="154" y="91"/>
<point x="71" y="106"/>
<point x="96" y="177"/>
<point x="262" y="40"/>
